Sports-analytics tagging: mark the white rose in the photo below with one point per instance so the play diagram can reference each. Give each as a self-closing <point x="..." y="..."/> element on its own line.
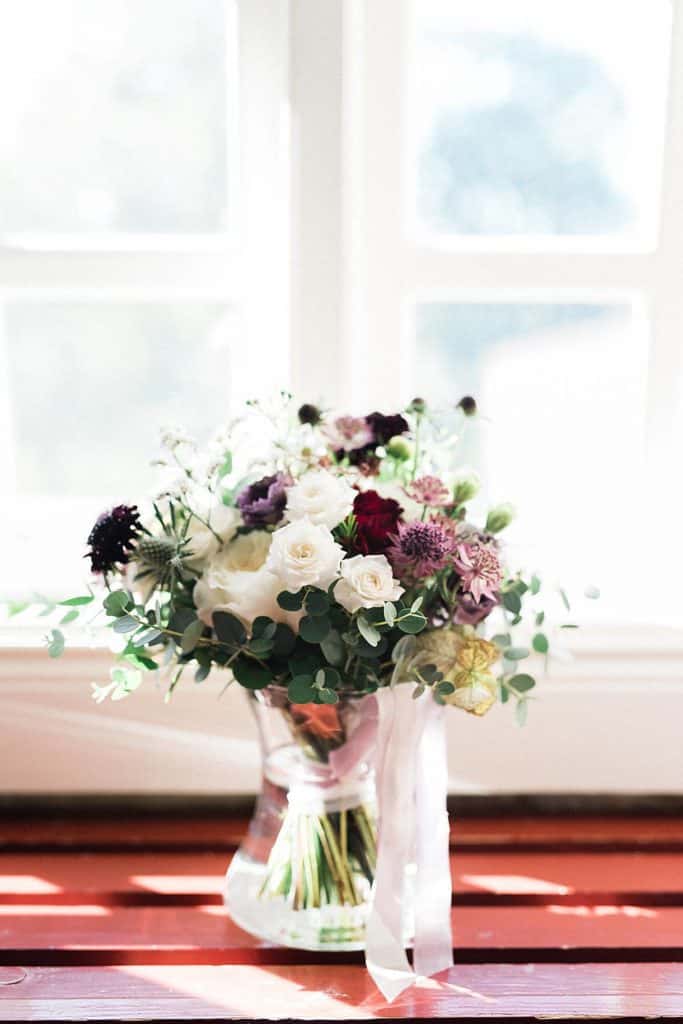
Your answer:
<point x="304" y="554"/>
<point x="367" y="582"/>
<point x="323" y="498"/>
<point x="244" y="594"/>
<point x="247" y="552"/>
<point x="204" y="542"/>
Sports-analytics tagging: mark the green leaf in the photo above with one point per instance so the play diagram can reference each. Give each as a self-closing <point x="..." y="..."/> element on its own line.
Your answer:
<point x="250" y="674"/>
<point x="327" y="697"/>
<point x="301" y="690"/>
<point x="522" y="682"/>
<point x="226" y="467"/>
<point x="540" y="643"/>
<point x="147" y="637"/>
<point x="333" y="648"/>
<point x="125" y="624"/>
<point x="565" y="599"/>
<point x="284" y="640"/>
<point x="517" y="653"/>
<point x="415" y="622"/>
<point x="592" y="592"/>
<point x="417" y="604"/>
<point x="117" y="603"/>
<point x="289" y="601"/>
<point x="261" y="646"/>
<point x="569" y="625"/>
<point x="504" y="692"/>
<point x="55" y="643"/>
<point x="202" y="673"/>
<point x="70" y="616"/>
<point x="512" y="601"/>
<point x="368" y="631"/>
<point x="263" y="628"/>
<point x="181" y="619"/>
<point x="75" y="602"/>
<point x="535" y="585"/>
<point x="317" y="602"/>
<point x="521" y="712"/>
<point x="313" y="629"/>
<point x="126" y="679"/>
<point x="417" y="692"/>
<point x="229" y="629"/>
<point x="501" y="640"/>
<point x="191" y="636"/>
<point x="540" y="618"/>
<point x="445" y="688"/>
<point x="327" y="678"/>
<point x="389" y="613"/>
<point x="141" y="661"/>
<point x="16" y="607"/>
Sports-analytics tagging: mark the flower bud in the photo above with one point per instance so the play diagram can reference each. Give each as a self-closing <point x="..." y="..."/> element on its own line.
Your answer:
<point x="468" y="405"/>
<point x="309" y="414"/>
<point x="418" y="406"/>
<point x="465" y="486"/>
<point x="398" y="448"/>
<point x="500" y="517"/>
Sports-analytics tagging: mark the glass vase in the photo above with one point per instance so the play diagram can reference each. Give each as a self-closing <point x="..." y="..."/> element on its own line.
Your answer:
<point x="303" y="874"/>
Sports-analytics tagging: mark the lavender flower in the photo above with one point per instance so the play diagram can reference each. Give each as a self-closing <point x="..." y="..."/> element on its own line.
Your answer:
<point x="263" y="503"/>
<point x="420" y="549"/>
<point x="112" y="538"/>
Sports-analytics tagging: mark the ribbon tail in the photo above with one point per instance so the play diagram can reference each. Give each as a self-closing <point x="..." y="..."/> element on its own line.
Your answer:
<point x="398" y="735"/>
<point x="433" y="951"/>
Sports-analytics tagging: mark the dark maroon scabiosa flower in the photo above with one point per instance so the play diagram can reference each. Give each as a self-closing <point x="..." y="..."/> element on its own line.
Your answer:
<point x="468" y="405"/>
<point x="377" y="519"/>
<point x="471" y="612"/>
<point x="112" y="538"/>
<point x="309" y="414"/>
<point x="385" y="427"/>
<point x="263" y="503"/>
<point x="420" y="549"/>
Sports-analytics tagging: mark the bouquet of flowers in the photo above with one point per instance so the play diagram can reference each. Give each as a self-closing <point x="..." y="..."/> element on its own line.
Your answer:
<point x="320" y="562"/>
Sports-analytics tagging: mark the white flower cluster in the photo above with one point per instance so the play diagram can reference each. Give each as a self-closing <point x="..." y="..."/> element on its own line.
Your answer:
<point x="243" y="573"/>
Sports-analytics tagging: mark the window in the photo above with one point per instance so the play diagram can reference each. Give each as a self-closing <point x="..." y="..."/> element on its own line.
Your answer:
<point x="526" y="251"/>
<point x="131" y="221"/>
<point x="364" y="200"/>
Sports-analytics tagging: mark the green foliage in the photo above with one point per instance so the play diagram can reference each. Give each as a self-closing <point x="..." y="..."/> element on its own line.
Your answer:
<point x="522" y="682"/>
<point x="540" y="643"/>
<point x="251" y="674"/>
<point x="291" y="602"/>
<point x="55" y="643"/>
<point x="314" y="629"/>
<point x="117" y="603"/>
<point x="229" y="629"/>
<point x="126" y="624"/>
<point x="191" y="636"/>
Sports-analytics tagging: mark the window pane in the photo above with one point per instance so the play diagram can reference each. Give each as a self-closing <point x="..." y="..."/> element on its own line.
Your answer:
<point x="114" y="115"/>
<point x="91" y="384"/>
<point x="535" y="121"/>
<point x="561" y="390"/>
<point x="84" y="389"/>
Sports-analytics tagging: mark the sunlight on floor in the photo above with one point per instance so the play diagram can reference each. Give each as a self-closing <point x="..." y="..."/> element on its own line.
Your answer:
<point x="515" y="884"/>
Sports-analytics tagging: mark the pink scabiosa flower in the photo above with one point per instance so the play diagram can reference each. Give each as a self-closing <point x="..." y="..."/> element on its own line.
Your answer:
<point x="420" y="549"/>
<point x="348" y="433"/>
<point x="429" y="490"/>
<point x="477" y="563"/>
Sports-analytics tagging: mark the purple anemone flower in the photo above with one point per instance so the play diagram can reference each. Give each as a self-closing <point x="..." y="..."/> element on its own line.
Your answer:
<point x="263" y="503"/>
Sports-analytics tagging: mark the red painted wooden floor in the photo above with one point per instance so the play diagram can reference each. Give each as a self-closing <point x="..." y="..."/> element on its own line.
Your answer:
<point x="577" y="918"/>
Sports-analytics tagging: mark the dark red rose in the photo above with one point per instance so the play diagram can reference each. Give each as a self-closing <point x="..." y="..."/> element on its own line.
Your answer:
<point x="376" y="519"/>
<point x="385" y="427"/>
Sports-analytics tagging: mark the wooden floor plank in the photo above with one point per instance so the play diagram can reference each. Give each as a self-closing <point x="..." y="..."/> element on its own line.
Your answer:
<point x="500" y="992"/>
<point x="24" y="876"/>
<point x="207" y="934"/>
<point x="224" y="833"/>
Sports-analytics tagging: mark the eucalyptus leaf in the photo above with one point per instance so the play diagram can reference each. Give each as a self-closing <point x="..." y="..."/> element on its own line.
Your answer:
<point x="301" y="690"/>
<point x="125" y="624"/>
<point x="414" y="622"/>
<point x="540" y="643"/>
<point x="117" y="603"/>
<point x="313" y="629"/>
<point x="517" y="653"/>
<point x="70" y="616"/>
<point x="521" y="712"/>
<point x="333" y="648"/>
<point x="250" y="674"/>
<point x="76" y="602"/>
<point x="191" y="636"/>
<point x="289" y="601"/>
<point x="229" y="629"/>
<point x="368" y="631"/>
<point x="55" y="643"/>
<point x="512" y="601"/>
<point x="146" y="637"/>
<point x="317" y="602"/>
<point x="522" y="682"/>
